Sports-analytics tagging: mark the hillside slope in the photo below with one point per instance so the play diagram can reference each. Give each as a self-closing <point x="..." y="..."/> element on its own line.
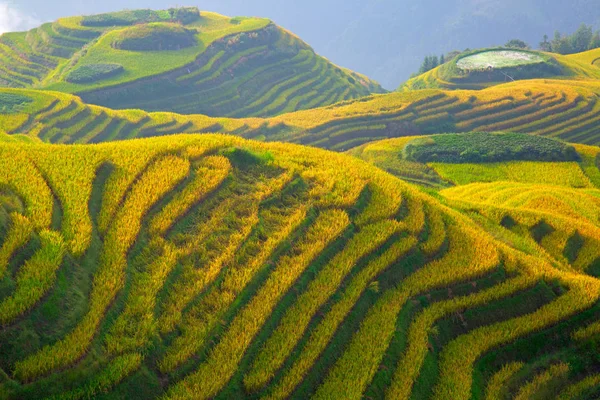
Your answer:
<point x="178" y="60"/>
<point x="211" y="266"/>
<point x="567" y="110"/>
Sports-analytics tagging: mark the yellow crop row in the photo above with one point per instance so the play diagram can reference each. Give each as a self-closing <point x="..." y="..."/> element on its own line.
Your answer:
<point x="297" y="317"/>
<point x="71" y="175"/>
<point x="136" y="324"/>
<point x="19" y="233"/>
<point x="322" y="334"/>
<point x="568" y="212"/>
<point x="203" y="317"/>
<point x="457" y="358"/>
<point x="113" y="374"/>
<point x="219" y="251"/>
<point x="34" y="278"/>
<point x="418" y="336"/>
<point x="208" y="176"/>
<point x="216" y="371"/>
<point x="496" y="388"/>
<point x="567" y="174"/>
<point x="129" y="159"/>
<point x="436" y="231"/>
<point x="546" y="382"/>
<point x="577" y="389"/>
<point x="20" y="175"/>
<point x="469" y="255"/>
<point x="158" y="180"/>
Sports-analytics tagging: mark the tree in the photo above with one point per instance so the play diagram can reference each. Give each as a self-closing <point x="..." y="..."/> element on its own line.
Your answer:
<point x="546" y="45"/>
<point x="581" y="39"/>
<point x="429" y="63"/>
<point x="561" y="44"/>
<point x="442" y="60"/>
<point x="452" y="55"/>
<point x="595" y="42"/>
<point x="516" y="44"/>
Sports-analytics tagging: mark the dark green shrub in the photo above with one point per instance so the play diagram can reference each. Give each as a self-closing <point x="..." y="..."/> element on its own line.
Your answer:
<point x="243" y="158"/>
<point x="155" y="37"/>
<point x="94" y="72"/>
<point x="488" y="147"/>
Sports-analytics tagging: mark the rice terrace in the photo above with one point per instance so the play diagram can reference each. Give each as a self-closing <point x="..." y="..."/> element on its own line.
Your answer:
<point x="196" y="206"/>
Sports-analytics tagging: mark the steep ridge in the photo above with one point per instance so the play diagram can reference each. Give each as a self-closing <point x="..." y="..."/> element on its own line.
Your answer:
<point x="205" y="63"/>
<point x="552" y="108"/>
<point x="174" y="267"/>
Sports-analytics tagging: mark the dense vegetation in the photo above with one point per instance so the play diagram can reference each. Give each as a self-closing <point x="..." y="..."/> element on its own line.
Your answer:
<point x="583" y="39"/>
<point x="486" y="148"/>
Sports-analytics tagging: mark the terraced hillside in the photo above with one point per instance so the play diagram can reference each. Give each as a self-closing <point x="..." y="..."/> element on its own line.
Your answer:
<point x="568" y="110"/>
<point x="215" y="267"/>
<point x="203" y="63"/>
<point x="484" y="68"/>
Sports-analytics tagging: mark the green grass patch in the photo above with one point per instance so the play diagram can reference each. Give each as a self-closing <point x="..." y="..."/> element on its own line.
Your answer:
<point x="133" y="17"/>
<point x="94" y="72"/>
<point x="13" y="103"/>
<point x="155" y="37"/>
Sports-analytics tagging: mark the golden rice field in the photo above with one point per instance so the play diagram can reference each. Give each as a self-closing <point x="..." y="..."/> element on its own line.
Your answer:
<point x="209" y="266"/>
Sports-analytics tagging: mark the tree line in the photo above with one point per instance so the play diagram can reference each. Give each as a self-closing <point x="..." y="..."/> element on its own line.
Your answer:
<point x="583" y="39"/>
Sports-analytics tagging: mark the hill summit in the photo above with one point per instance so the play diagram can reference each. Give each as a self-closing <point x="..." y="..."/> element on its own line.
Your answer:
<point x="180" y="60"/>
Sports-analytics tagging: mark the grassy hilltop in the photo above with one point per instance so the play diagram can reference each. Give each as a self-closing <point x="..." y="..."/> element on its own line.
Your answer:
<point x="475" y="70"/>
<point x="179" y="60"/>
<point x="211" y="266"/>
